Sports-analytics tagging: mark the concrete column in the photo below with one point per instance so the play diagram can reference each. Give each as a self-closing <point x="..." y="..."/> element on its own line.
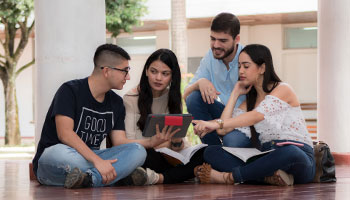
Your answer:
<point x="178" y="30"/>
<point x="67" y="34"/>
<point x="333" y="110"/>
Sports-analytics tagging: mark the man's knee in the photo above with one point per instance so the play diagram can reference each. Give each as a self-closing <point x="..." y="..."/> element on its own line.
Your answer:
<point x="194" y="99"/>
<point x="57" y="152"/>
<point x="136" y="153"/>
<point x="62" y="155"/>
<point x="139" y="150"/>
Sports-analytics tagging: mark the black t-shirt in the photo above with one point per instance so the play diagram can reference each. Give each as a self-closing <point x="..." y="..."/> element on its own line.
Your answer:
<point x="93" y="120"/>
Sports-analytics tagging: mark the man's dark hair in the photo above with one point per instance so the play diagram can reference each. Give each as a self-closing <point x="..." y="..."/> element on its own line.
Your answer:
<point x="109" y="50"/>
<point x="227" y="23"/>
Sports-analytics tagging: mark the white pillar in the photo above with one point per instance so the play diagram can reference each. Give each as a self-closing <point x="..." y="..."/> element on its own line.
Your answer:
<point x="67" y="34"/>
<point x="333" y="125"/>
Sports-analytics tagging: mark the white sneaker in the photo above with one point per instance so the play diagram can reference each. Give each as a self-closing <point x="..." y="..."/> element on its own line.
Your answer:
<point x="152" y="177"/>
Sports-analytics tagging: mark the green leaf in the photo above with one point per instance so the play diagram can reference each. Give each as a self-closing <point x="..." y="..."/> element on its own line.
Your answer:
<point x="123" y="15"/>
<point x="14" y="11"/>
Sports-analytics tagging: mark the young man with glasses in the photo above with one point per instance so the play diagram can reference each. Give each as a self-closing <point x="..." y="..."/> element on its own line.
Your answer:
<point x="82" y="113"/>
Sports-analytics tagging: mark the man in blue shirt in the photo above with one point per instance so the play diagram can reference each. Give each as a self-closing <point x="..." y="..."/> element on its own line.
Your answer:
<point x="210" y="88"/>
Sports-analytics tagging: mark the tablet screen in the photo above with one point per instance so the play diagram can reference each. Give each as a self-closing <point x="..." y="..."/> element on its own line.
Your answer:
<point x="181" y="121"/>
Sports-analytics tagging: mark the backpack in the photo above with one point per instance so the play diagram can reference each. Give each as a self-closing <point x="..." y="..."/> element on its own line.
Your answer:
<point x="325" y="165"/>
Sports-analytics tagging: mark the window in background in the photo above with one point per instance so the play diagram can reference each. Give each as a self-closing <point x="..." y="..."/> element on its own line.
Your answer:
<point x="136" y="45"/>
<point x="193" y="64"/>
<point x="300" y="37"/>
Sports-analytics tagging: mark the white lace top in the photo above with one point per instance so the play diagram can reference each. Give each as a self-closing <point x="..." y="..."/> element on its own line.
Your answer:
<point x="281" y="121"/>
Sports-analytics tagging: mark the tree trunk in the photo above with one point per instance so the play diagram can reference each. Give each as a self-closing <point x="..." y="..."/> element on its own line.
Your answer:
<point x="12" y="133"/>
<point x="178" y="28"/>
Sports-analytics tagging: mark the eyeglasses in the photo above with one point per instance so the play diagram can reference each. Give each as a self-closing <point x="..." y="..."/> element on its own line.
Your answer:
<point x="125" y="70"/>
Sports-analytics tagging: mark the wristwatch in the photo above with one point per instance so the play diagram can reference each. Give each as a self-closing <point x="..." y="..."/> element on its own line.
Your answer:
<point x="176" y="144"/>
<point x="221" y="123"/>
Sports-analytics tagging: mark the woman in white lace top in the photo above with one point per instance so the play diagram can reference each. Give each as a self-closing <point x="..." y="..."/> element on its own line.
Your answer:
<point x="271" y="117"/>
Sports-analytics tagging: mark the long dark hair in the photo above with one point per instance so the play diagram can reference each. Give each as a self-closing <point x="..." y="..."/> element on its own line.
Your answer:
<point x="145" y="91"/>
<point x="260" y="54"/>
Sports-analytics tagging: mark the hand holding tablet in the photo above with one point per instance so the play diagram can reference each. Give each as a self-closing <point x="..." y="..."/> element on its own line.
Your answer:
<point x="181" y="121"/>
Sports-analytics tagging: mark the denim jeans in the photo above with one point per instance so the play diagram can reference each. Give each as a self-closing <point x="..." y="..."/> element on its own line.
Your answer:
<point x="237" y="139"/>
<point x="204" y="111"/>
<point x="295" y="160"/>
<point x="60" y="159"/>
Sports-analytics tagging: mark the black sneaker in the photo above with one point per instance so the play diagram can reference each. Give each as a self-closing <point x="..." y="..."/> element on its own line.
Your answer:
<point x="137" y="178"/>
<point x="77" y="179"/>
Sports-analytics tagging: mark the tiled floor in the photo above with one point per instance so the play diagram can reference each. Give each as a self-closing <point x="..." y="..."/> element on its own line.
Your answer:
<point x="15" y="184"/>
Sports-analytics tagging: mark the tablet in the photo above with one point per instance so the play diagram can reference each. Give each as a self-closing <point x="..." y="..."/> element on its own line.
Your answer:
<point x="181" y="121"/>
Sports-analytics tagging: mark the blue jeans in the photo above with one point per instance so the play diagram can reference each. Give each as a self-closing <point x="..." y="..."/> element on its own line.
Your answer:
<point x="204" y="111"/>
<point x="58" y="160"/>
<point x="295" y="160"/>
<point x="237" y="139"/>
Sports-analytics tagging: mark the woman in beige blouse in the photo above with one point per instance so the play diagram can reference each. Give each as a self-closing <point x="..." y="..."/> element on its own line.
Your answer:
<point x="158" y="92"/>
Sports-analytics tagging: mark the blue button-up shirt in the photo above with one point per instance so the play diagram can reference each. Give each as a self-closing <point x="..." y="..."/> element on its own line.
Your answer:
<point x="216" y="72"/>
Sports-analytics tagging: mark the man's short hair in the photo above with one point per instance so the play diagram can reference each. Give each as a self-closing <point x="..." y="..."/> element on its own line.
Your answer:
<point x="227" y="23"/>
<point x="106" y="50"/>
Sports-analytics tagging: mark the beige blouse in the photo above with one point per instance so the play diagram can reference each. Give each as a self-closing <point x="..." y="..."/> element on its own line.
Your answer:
<point x="159" y="106"/>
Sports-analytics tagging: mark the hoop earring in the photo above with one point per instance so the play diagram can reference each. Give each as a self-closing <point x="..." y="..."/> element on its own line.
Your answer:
<point x="170" y="84"/>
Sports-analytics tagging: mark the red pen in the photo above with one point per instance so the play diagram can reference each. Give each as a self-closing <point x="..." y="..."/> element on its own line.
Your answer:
<point x="287" y="143"/>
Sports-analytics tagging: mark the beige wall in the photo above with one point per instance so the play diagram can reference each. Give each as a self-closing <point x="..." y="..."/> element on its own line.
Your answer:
<point x="298" y="67"/>
<point x="270" y="36"/>
<point x="300" y="71"/>
<point x="198" y="42"/>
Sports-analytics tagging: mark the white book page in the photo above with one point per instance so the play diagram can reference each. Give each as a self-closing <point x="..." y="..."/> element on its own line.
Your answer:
<point x="184" y="155"/>
<point x="172" y="154"/>
<point x="188" y="152"/>
<point x="245" y="153"/>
